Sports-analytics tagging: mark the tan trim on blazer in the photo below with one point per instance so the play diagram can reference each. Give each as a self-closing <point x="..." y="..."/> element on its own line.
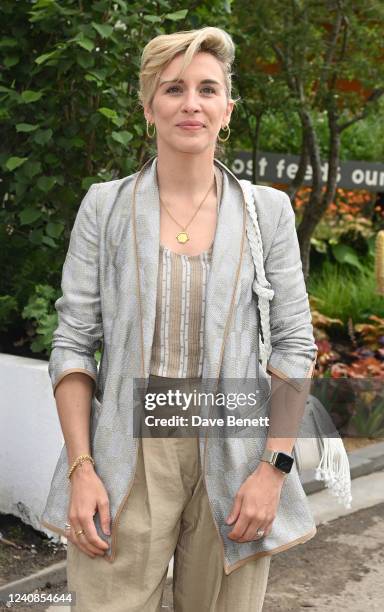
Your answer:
<point x="294" y="383"/>
<point x="228" y="569"/>
<point x="70" y="371"/>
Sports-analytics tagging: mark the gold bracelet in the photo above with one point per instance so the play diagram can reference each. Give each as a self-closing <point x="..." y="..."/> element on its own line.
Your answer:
<point x="79" y="461"/>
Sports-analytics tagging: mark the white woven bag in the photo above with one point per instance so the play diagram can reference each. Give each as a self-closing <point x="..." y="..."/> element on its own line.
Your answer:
<point x="326" y="455"/>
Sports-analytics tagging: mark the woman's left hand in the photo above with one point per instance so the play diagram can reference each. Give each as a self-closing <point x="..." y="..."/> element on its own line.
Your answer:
<point x="256" y="502"/>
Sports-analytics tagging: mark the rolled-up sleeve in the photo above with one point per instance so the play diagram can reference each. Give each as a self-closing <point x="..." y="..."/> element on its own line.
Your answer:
<point x="294" y="350"/>
<point x="79" y="331"/>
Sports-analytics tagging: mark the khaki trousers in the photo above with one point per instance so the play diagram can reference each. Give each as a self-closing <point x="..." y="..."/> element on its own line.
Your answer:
<point x="167" y="513"/>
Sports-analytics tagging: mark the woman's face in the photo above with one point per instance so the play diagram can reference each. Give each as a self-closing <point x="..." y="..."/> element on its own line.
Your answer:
<point x="191" y="100"/>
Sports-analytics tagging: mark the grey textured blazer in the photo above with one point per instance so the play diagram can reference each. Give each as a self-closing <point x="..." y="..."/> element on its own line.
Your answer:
<point x="109" y="286"/>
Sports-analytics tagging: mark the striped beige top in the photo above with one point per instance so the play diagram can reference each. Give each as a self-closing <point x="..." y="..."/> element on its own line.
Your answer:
<point x="177" y="349"/>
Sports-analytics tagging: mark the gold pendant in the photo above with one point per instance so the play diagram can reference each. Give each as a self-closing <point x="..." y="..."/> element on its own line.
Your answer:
<point x="182" y="237"/>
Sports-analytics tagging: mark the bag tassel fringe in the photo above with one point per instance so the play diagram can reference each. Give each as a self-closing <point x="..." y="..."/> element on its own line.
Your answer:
<point x="334" y="470"/>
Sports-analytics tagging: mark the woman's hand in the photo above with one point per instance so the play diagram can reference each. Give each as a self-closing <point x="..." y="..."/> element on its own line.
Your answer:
<point x="256" y="503"/>
<point x="88" y="495"/>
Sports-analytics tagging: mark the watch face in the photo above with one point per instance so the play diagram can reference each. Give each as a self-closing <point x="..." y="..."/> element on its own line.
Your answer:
<point x="284" y="462"/>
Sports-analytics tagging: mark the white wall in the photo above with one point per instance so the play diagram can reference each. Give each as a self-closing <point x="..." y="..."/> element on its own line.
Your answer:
<point x="30" y="438"/>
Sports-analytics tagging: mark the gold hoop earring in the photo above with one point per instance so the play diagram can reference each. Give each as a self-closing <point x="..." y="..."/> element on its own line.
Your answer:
<point x="154" y="127"/>
<point x="226" y="128"/>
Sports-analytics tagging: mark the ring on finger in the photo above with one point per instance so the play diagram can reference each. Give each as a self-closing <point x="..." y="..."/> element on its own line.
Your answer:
<point x="81" y="531"/>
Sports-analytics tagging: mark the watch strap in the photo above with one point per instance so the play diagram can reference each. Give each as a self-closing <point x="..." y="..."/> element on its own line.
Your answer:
<point x="271" y="457"/>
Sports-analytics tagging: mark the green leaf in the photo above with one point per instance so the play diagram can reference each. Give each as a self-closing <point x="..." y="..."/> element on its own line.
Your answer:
<point x="42" y="137"/>
<point x="32" y="168"/>
<point x="51" y="158"/>
<point x="54" y="229"/>
<point x="92" y="79"/>
<point x="52" y="55"/>
<point x="139" y="129"/>
<point x="41" y="4"/>
<point x="97" y="76"/>
<point x="14" y="162"/>
<point x="85" y="60"/>
<point x="45" y="183"/>
<point x="7" y="41"/>
<point x="122" y="137"/>
<point x="28" y="96"/>
<point x="345" y="254"/>
<point x="88" y="181"/>
<point x="26" y="127"/>
<point x="36" y="236"/>
<point x="49" y="241"/>
<point x="85" y="43"/>
<point x="152" y="18"/>
<point x="107" y="112"/>
<point x="99" y="73"/>
<point x="177" y="15"/>
<point x="112" y="115"/>
<point x="29" y="215"/>
<point x="77" y="142"/>
<point x="103" y="29"/>
<point x="11" y="60"/>
<point x="372" y="245"/>
<point x="119" y="121"/>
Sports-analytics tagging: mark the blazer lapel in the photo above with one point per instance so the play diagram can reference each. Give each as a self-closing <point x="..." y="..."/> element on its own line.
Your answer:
<point x="224" y="272"/>
<point x="146" y="217"/>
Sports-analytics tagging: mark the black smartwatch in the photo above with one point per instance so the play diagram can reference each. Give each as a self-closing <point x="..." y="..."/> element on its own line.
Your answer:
<point x="281" y="461"/>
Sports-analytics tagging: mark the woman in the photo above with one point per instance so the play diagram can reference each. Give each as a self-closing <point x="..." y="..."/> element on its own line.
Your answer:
<point x="159" y="267"/>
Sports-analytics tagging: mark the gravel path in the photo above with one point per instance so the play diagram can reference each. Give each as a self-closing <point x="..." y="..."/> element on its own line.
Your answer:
<point x="342" y="567"/>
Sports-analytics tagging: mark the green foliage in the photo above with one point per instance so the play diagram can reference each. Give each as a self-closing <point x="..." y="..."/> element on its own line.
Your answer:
<point x="70" y="116"/>
<point x="347" y="237"/>
<point x="39" y="309"/>
<point x="288" y="66"/>
<point x="365" y="139"/>
<point x="343" y="293"/>
<point x="281" y="132"/>
<point x="345" y="254"/>
<point x="8" y="307"/>
<point x="369" y="421"/>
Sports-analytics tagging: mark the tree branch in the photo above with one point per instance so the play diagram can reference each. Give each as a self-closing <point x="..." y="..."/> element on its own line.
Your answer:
<point x="330" y="53"/>
<point x="375" y="95"/>
<point x="301" y="171"/>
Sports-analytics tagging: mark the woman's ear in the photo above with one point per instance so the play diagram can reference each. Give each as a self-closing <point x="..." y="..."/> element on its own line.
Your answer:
<point x="228" y="113"/>
<point x="148" y="113"/>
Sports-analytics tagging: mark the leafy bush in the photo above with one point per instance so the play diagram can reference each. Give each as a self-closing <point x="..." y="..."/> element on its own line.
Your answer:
<point x="342" y="294"/>
<point x="70" y="116"/>
<point x="39" y="309"/>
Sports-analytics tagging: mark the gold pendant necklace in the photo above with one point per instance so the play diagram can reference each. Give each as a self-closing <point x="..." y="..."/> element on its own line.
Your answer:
<point x="183" y="237"/>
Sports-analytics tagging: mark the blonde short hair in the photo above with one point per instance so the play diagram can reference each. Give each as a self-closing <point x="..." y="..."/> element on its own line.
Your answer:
<point x="161" y="50"/>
